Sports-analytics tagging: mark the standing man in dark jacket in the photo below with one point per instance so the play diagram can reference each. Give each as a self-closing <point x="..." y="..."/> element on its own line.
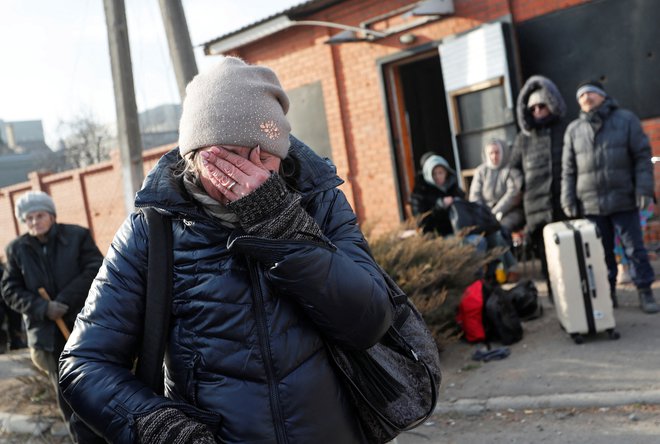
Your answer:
<point x="607" y="176"/>
<point x="537" y="153"/>
<point x="63" y="260"/>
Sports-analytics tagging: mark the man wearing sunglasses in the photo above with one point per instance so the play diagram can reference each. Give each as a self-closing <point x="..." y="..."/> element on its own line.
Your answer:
<point x="607" y="177"/>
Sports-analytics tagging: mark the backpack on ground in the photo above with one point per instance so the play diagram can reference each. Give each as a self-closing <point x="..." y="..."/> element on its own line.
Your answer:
<point x="501" y="320"/>
<point x="525" y="298"/>
<point x="470" y="313"/>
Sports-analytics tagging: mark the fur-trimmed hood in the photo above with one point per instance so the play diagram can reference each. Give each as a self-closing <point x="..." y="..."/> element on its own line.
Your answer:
<point x="556" y="101"/>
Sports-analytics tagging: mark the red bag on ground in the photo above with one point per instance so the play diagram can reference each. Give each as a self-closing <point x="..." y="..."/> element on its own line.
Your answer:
<point x="470" y="312"/>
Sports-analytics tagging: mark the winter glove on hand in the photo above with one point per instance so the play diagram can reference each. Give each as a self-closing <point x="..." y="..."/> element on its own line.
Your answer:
<point x="643" y="202"/>
<point x="56" y="310"/>
<point x="271" y="211"/>
<point x="169" y="425"/>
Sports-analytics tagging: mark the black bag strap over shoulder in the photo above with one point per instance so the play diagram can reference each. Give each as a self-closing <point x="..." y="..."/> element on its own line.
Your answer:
<point x="158" y="301"/>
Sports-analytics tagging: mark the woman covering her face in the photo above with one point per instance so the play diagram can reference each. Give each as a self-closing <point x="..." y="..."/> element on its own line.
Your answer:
<point x="268" y="263"/>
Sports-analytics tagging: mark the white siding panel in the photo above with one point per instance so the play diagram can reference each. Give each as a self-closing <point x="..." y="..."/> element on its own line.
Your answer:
<point x="475" y="57"/>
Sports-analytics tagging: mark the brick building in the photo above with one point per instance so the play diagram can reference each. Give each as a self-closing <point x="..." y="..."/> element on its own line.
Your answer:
<point x="405" y="77"/>
<point x="401" y="78"/>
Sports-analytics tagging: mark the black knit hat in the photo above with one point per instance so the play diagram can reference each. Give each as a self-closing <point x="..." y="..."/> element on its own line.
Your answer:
<point x="590" y="86"/>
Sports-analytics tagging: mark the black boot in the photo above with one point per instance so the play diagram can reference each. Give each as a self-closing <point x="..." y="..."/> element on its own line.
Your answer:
<point x="647" y="301"/>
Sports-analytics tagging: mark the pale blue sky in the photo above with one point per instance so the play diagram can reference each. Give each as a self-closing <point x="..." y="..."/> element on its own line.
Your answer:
<point x="54" y="61"/>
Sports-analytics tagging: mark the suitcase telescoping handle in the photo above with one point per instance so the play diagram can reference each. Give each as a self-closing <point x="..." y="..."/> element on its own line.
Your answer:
<point x="592" y="281"/>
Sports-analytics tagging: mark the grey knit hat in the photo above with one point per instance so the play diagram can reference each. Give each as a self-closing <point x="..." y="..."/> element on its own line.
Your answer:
<point x="590" y="86"/>
<point x="33" y="201"/>
<point x="234" y="103"/>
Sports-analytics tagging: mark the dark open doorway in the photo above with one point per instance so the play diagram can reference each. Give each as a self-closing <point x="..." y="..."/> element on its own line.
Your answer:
<point x="419" y="117"/>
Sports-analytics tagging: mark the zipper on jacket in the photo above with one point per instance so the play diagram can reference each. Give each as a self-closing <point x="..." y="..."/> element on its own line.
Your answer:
<point x="262" y="330"/>
<point x="190" y="383"/>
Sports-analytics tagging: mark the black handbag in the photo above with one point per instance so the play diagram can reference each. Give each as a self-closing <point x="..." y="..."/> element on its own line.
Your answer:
<point x="393" y="384"/>
<point x="464" y="214"/>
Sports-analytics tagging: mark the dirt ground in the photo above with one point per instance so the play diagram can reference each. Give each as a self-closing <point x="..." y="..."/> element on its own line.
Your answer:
<point x="30" y="395"/>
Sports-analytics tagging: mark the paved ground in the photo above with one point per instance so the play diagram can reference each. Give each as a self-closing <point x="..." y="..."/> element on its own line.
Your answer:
<point x="548" y="390"/>
<point x="553" y="391"/>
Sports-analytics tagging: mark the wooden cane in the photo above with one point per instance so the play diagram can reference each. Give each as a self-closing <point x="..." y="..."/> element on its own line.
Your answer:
<point x="60" y="323"/>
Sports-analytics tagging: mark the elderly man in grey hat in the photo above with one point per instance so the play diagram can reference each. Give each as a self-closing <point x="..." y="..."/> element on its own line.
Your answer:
<point x="61" y="259"/>
<point x="607" y="176"/>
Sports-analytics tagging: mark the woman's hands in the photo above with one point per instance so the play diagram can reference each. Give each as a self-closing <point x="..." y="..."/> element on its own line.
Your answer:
<point x="235" y="172"/>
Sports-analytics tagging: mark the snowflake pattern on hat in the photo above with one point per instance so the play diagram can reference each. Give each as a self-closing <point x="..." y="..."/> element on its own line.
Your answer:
<point x="271" y="129"/>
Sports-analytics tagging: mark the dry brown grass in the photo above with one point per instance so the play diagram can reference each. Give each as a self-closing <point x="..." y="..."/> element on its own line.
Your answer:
<point x="432" y="270"/>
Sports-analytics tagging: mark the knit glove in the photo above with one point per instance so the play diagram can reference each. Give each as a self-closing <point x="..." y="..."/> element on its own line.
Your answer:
<point x="272" y="212"/>
<point x="644" y="202"/>
<point x="169" y="425"/>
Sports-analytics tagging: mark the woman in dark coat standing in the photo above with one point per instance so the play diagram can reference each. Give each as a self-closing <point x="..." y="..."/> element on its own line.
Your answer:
<point x="537" y="153"/>
<point x="268" y="264"/>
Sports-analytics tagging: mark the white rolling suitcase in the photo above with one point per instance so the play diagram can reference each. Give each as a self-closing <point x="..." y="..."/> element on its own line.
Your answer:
<point x="578" y="276"/>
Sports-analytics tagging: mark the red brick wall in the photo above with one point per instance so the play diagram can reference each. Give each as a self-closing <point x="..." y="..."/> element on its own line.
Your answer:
<point x="526" y="9"/>
<point x="652" y="130"/>
<point x="92" y="197"/>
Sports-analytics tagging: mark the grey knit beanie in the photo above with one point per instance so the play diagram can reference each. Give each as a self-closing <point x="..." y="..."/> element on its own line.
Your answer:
<point x="590" y="86"/>
<point x="234" y="103"/>
<point x="33" y="201"/>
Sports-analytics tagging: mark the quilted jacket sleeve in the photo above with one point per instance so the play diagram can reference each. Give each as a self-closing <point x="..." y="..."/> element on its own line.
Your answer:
<point x="336" y="281"/>
<point x="104" y="342"/>
<point x="569" y="201"/>
<point x="513" y="195"/>
<point x="476" y="187"/>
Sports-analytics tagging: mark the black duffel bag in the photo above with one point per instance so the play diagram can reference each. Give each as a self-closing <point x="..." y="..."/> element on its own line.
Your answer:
<point x="464" y="214"/>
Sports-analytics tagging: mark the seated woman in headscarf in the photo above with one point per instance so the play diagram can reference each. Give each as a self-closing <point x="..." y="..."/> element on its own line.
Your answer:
<point x="498" y="186"/>
<point x="436" y="190"/>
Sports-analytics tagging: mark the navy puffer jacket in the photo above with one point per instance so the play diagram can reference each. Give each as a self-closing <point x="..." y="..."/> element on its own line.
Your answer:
<point x="245" y="353"/>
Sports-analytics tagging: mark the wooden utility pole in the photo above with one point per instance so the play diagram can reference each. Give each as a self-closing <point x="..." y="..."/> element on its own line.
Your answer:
<point x="128" y="127"/>
<point x="178" y="39"/>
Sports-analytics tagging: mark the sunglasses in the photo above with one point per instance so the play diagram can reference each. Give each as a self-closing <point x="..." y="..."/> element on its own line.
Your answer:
<point x="540" y="107"/>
